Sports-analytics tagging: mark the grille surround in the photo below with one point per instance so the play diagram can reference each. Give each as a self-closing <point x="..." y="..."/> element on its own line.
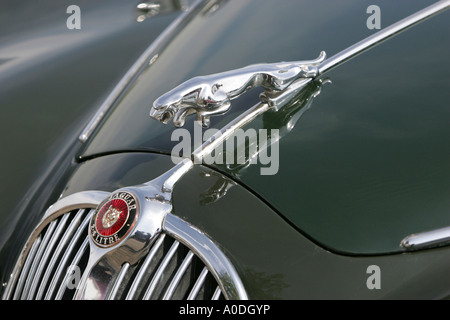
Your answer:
<point x="189" y="265"/>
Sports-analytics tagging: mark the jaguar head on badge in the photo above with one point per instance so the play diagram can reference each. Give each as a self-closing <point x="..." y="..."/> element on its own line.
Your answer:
<point x="211" y="95"/>
<point x="113" y="219"/>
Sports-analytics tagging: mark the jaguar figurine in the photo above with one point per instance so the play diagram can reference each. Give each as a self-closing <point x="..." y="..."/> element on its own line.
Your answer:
<point x="211" y="95"/>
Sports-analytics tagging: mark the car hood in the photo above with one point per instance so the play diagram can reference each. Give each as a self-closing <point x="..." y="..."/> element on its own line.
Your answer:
<point x="366" y="164"/>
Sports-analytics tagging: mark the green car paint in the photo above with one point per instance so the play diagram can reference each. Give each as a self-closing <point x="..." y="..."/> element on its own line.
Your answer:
<point x="365" y="166"/>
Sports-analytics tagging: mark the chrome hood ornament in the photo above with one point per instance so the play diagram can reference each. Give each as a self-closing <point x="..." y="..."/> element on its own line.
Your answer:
<point x="211" y="95"/>
<point x="162" y="111"/>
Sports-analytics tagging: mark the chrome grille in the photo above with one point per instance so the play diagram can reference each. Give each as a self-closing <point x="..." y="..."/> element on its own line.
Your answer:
<point x="170" y="270"/>
<point x="61" y="244"/>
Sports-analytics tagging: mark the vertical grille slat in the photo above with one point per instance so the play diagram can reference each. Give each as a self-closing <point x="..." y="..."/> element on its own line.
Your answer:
<point x="169" y="271"/>
<point x="52" y="249"/>
<point x="144" y="269"/>
<point x="37" y="259"/>
<point x="217" y="293"/>
<point x="119" y="281"/>
<point x="198" y="285"/>
<point x="75" y="262"/>
<point x="26" y="267"/>
<point x="160" y="272"/>
<point x="42" y="264"/>
<point x="177" y="278"/>
<point x="59" y="249"/>
<point x="62" y="266"/>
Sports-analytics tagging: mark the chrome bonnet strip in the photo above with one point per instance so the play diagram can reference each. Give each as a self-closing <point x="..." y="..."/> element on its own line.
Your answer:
<point x="427" y="239"/>
<point x="227" y="131"/>
<point x="383" y="35"/>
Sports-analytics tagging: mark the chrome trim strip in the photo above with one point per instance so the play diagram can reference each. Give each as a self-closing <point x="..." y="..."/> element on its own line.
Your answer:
<point x="155" y="280"/>
<point x="75" y="262"/>
<point x="198" y="284"/>
<point x="169" y="180"/>
<point x="85" y="199"/>
<point x="276" y="101"/>
<point x="118" y="282"/>
<point x="382" y="35"/>
<point x="25" y="269"/>
<point x="67" y="235"/>
<point x="214" y="259"/>
<point x="147" y="57"/>
<point x="36" y="262"/>
<point x="138" y="280"/>
<point x="426" y="239"/>
<point x="216" y="294"/>
<point x="63" y="262"/>
<point x="227" y="131"/>
<point x="48" y="251"/>
<point x="176" y="279"/>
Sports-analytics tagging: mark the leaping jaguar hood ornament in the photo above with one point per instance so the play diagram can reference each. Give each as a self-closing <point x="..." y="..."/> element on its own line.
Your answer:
<point x="211" y="95"/>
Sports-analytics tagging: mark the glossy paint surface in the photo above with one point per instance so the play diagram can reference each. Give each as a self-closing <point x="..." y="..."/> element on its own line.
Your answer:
<point x="368" y="164"/>
<point x="52" y="79"/>
<point x="365" y="166"/>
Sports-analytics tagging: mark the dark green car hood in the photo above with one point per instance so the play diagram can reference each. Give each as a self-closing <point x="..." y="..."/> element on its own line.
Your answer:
<point x="368" y="163"/>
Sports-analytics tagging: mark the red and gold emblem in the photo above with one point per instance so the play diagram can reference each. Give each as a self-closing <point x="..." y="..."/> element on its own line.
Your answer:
<point x="113" y="219"/>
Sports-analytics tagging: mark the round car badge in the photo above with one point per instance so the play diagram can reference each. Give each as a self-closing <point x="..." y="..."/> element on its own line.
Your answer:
<point x="113" y="219"/>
